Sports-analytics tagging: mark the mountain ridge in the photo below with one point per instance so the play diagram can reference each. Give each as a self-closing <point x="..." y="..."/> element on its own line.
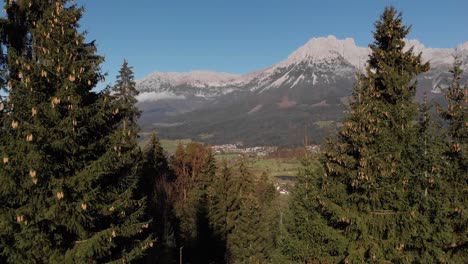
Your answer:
<point x="308" y="89"/>
<point x="318" y="50"/>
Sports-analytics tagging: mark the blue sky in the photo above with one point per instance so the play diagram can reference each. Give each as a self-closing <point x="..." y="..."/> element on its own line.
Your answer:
<point x="239" y="36"/>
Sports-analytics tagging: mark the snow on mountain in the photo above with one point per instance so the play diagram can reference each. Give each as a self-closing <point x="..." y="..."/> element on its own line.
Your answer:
<point x="156" y="96"/>
<point x="198" y="79"/>
<point x="461" y="51"/>
<point x="441" y="61"/>
<point x="436" y="56"/>
<point x="167" y="85"/>
<point x="320" y="60"/>
<point x="324" y="50"/>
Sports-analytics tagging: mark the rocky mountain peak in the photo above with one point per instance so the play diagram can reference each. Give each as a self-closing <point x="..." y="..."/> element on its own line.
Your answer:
<point x="325" y="49"/>
<point x="320" y="60"/>
<point x="198" y="79"/>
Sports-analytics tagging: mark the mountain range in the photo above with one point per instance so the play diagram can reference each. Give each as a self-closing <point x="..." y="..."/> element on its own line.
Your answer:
<point x="304" y="95"/>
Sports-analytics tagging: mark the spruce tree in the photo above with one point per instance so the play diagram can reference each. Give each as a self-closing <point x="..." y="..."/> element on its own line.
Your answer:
<point x="247" y="240"/>
<point x="307" y="238"/>
<point x="157" y="186"/>
<point x="68" y="170"/>
<point x="208" y="248"/>
<point x="427" y="197"/>
<point x="456" y="115"/>
<point x="364" y="194"/>
<point x="124" y="93"/>
<point x="240" y="215"/>
<point x="267" y="230"/>
<point x="217" y="201"/>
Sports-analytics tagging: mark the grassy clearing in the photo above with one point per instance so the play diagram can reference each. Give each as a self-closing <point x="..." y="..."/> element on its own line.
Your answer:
<point x="274" y="167"/>
<point x="271" y="166"/>
<point x="205" y="136"/>
<point x="230" y="157"/>
<point x="168" y="145"/>
<point x="324" y="124"/>
<point x="171" y="145"/>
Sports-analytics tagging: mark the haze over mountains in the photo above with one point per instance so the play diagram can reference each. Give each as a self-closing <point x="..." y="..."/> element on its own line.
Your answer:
<point x="304" y="94"/>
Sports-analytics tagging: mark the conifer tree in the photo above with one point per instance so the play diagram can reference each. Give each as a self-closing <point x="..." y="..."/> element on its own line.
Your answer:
<point x="240" y="216"/>
<point x="427" y="198"/>
<point x="208" y="248"/>
<point x="217" y="201"/>
<point x="268" y="219"/>
<point x="246" y="241"/>
<point x="157" y="186"/>
<point x="239" y="213"/>
<point x="68" y="170"/>
<point x="456" y="115"/>
<point x="364" y="194"/>
<point x="124" y="93"/>
<point x="307" y="238"/>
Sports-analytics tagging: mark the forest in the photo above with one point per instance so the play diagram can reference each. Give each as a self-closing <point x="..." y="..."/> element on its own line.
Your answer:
<point x="77" y="186"/>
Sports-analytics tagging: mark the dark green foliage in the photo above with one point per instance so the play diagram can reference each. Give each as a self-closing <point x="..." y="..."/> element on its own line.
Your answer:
<point x="217" y="200"/>
<point x="362" y="200"/>
<point x="307" y="238"/>
<point x="157" y="185"/>
<point x="239" y="211"/>
<point x="456" y="172"/>
<point x="392" y="190"/>
<point x="427" y="198"/>
<point x="68" y="170"/>
<point x="241" y="218"/>
<point x="372" y="158"/>
<point x="124" y="93"/>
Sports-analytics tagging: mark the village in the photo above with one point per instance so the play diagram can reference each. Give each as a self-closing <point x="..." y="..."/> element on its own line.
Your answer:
<point x="258" y="151"/>
<point x="238" y="149"/>
<point x="281" y="183"/>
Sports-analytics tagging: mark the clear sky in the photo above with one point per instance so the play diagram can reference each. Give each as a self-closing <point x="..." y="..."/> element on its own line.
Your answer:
<point x="239" y="36"/>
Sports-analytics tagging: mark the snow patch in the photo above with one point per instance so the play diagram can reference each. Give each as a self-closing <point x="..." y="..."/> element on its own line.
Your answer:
<point x="319" y="50"/>
<point x="280" y="80"/>
<point x="435" y="56"/>
<point x="155" y="96"/>
<point x="199" y="79"/>
<point x="255" y="109"/>
<point x="298" y="80"/>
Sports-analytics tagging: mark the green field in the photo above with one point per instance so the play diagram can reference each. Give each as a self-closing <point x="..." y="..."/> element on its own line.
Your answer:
<point x="324" y="124"/>
<point x="171" y="145"/>
<point x="258" y="165"/>
<point x="271" y="166"/>
<point x="230" y="157"/>
<point x="168" y="145"/>
<point x="205" y="136"/>
<point x="274" y="167"/>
